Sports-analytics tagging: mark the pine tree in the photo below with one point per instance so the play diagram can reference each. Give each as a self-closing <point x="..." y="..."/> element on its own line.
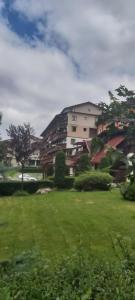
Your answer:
<point x="60" y="169"/>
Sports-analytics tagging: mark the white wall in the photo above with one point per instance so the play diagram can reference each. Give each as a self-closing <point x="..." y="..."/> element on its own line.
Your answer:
<point x="68" y="141"/>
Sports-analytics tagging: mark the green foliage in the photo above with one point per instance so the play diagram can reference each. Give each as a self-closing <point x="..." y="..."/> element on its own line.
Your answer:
<point x="96" y="145"/>
<point x="116" y="162"/>
<point x="2" y="151"/>
<point x="122" y="109"/>
<point x="67" y="183"/>
<point x="84" y="163"/>
<point x="9" y="188"/>
<point x="132" y="169"/>
<point x="60" y="169"/>
<point x="20" y="141"/>
<point x="91" y="181"/>
<point x="31" y="170"/>
<point x="105" y="162"/>
<point x="21" y="193"/>
<point x="76" y="277"/>
<point x="128" y="191"/>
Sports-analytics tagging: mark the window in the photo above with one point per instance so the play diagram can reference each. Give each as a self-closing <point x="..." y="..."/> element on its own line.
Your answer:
<point x="74" y="117"/>
<point x="72" y="141"/>
<point x="92" y="132"/>
<point x="89" y="109"/>
<point x="74" y="128"/>
<point x="84" y="129"/>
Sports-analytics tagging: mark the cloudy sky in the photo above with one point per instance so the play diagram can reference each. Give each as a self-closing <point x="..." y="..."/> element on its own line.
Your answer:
<point x="55" y="53"/>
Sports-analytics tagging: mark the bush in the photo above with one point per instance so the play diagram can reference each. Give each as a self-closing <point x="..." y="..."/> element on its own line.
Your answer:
<point x="31" y="170"/>
<point x="84" y="163"/>
<point x="21" y="193"/>
<point x="128" y="191"/>
<point x="67" y="183"/>
<point x="105" y="162"/>
<point x="93" y="181"/>
<point x="9" y="188"/>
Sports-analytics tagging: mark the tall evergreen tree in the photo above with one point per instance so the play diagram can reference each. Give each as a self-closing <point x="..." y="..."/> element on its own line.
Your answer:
<point x="84" y="163"/>
<point x="60" y="169"/>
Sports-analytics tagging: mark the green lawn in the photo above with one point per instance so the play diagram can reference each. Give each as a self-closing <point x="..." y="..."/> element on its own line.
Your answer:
<point x="57" y="223"/>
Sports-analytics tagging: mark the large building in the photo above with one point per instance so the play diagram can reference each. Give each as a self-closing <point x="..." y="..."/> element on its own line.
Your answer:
<point x="75" y="124"/>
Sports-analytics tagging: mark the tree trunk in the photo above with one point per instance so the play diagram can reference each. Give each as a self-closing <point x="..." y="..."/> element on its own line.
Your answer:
<point x="22" y="169"/>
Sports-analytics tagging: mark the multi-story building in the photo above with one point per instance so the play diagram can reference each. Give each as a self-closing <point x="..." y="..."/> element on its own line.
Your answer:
<point x="75" y="124"/>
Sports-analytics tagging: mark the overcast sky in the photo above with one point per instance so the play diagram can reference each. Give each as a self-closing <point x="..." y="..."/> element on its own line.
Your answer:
<point x="55" y="53"/>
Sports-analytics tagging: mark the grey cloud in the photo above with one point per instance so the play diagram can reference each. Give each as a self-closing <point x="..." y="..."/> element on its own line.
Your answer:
<point x="38" y="82"/>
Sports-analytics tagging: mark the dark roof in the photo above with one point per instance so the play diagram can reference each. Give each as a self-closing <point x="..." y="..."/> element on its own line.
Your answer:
<point x="69" y="108"/>
<point x="58" y="118"/>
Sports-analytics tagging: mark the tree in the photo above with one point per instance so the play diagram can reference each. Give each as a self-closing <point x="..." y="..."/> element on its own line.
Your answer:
<point x="0" y="122"/>
<point x="132" y="167"/>
<point x="96" y="145"/>
<point x="84" y="163"/>
<point x="21" y="143"/>
<point x="2" y="151"/>
<point x="119" y="115"/>
<point x="60" y="169"/>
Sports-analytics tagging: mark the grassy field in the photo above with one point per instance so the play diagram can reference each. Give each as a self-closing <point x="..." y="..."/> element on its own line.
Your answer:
<point x="57" y="223"/>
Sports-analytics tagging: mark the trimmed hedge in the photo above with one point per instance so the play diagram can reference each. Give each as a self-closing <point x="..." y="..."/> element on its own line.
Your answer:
<point x="8" y="188"/>
<point x="31" y="170"/>
<point x="128" y="191"/>
<point x="91" y="181"/>
<point x="68" y="182"/>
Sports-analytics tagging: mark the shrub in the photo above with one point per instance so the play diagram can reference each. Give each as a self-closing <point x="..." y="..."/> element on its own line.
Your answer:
<point x="84" y="163"/>
<point x="60" y="169"/>
<point x="31" y="170"/>
<point x="21" y="193"/>
<point x="93" y="181"/>
<point x="105" y="162"/>
<point x="67" y="183"/>
<point x="9" y="188"/>
<point x="128" y="191"/>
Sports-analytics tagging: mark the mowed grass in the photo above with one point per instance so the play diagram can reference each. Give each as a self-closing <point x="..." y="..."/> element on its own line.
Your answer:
<point x="57" y="223"/>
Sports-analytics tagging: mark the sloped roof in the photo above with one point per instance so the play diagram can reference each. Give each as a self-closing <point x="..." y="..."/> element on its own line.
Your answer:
<point x="69" y="108"/>
<point x="113" y="143"/>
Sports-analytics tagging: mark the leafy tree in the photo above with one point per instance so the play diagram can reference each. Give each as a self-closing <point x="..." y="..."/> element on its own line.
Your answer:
<point x="21" y="143"/>
<point x="2" y="151"/>
<point x="121" y="107"/>
<point x="96" y="145"/>
<point x="132" y="168"/>
<point x="0" y="122"/>
<point x="84" y="163"/>
<point x="60" y="169"/>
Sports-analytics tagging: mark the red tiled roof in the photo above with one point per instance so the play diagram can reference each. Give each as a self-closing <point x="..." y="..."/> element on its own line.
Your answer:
<point x="113" y="143"/>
